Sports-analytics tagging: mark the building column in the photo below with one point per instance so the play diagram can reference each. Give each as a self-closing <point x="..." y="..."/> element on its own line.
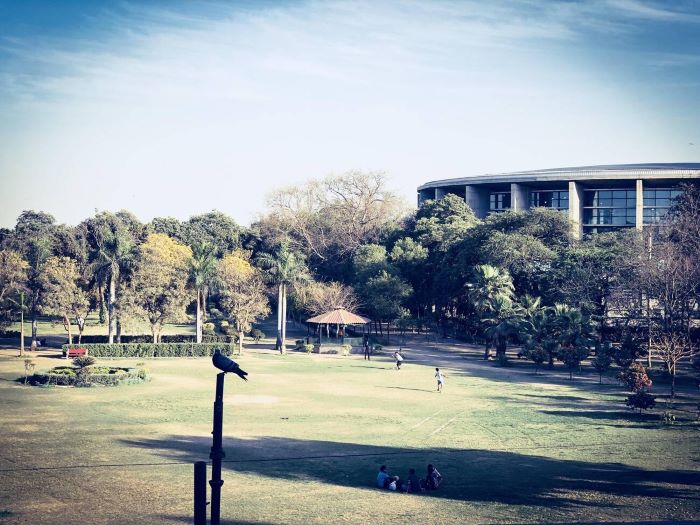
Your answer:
<point x="576" y="208"/>
<point x="639" y="223"/>
<point x="519" y="197"/>
<point x="477" y="198"/>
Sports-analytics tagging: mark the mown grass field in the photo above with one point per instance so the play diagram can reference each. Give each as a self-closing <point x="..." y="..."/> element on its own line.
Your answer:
<point x="305" y="436"/>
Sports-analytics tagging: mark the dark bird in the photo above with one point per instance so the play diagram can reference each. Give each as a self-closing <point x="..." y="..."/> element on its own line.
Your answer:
<point x="226" y="364"/>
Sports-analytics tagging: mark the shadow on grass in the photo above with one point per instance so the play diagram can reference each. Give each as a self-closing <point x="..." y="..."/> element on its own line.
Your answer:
<point x="624" y="418"/>
<point x="406" y="388"/>
<point x="470" y="474"/>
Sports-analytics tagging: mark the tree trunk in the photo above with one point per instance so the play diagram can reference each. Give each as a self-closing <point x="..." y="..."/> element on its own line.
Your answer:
<point x="110" y="309"/>
<point x="283" y="347"/>
<point x="154" y="333"/>
<point x="278" y="341"/>
<point x="119" y="331"/>
<point x="66" y="322"/>
<point x="240" y="339"/>
<point x="199" y="316"/>
<point x="34" y="330"/>
<point x="21" y="325"/>
<point x="101" y="303"/>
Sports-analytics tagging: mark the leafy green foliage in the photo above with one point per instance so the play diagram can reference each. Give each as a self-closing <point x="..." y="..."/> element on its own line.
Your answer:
<point x="154" y="350"/>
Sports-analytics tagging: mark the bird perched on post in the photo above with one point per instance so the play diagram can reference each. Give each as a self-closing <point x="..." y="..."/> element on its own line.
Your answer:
<point x="226" y="364"/>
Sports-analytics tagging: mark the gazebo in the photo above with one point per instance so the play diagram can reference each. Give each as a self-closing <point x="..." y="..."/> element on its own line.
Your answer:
<point x="338" y="317"/>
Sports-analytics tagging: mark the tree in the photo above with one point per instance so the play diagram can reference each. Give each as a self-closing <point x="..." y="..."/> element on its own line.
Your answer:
<point x="33" y="237"/>
<point x="284" y="268"/>
<point x="62" y="293"/>
<point x="202" y="272"/>
<point x="384" y="295"/>
<point x="671" y="348"/>
<point x="323" y="297"/>
<point x="637" y="380"/>
<point x="602" y="360"/>
<point x="241" y="293"/>
<point x="329" y="219"/>
<point x="158" y="287"/>
<point x="504" y="319"/>
<point x="113" y="248"/>
<point x="489" y="285"/>
<point x="214" y="228"/>
<point x="13" y="280"/>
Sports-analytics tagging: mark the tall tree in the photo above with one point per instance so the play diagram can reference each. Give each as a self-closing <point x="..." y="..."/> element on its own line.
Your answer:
<point x="202" y="273"/>
<point x="62" y="294"/>
<point x="157" y="290"/>
<point x="284" y="268"/>
<point x="34" y="238"/>
<point x="241" y="293"/>
<point x="113" y="248"/>
<point x="13" y="281"/>
<point x="329" y="219"/>
<point x="489" y="287"/>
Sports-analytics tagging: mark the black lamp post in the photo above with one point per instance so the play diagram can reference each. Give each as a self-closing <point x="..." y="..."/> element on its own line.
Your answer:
<point x="217" y="454"/>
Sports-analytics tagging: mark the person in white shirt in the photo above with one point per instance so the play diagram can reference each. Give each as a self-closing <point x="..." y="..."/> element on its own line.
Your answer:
<point x="440" y="379"/>
<point x="399" y="359"/>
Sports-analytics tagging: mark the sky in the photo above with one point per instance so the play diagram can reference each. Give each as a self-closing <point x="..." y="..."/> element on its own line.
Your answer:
<point x="177" y="108"/>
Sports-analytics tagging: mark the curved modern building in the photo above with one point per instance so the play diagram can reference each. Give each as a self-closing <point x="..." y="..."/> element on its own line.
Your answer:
<point x="595" y="198"/>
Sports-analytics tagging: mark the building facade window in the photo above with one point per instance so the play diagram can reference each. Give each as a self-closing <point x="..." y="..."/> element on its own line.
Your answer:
<point x="657" y="202"/>
<point x="558" y="200"/>
<point x="609" y="208"/>
<point x="499" y="201"/>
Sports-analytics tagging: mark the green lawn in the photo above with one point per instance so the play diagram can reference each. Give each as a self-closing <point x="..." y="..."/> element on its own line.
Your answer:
<point x="305" y="436"/>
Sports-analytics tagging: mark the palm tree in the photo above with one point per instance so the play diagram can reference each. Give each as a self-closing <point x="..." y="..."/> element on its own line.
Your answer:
<point x="113" y="252"/>
<point x="284" y="268"/>
<point x="202" y="271"/>
<point x="505" y="320"/>
<point x="490" y="284"/>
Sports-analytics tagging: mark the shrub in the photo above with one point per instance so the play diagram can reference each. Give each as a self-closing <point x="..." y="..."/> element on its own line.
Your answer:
<point x="641" y="400"/>
<point x="208" y="328"/>
<point x="257" y="334"/>
<point x="635" y="378"/>
<point x="83" y="361"/>
<point x="154" y="350"/>
<point x="378" y="349"/>
<point x="537" y="355"/>
<point x="345" y="349"/>
<point x="627" y="352"/>
<point x="308" y="348"/>
<point x="572" y="357"/>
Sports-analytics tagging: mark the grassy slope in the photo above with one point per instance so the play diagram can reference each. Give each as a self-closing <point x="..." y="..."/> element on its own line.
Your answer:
<point x="513" y="447"/>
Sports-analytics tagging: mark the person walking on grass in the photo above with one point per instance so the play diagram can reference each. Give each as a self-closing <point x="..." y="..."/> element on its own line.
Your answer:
<point x="440" y="379"/>
<point x="399" y="359"/>
<point x="366" y="346"/>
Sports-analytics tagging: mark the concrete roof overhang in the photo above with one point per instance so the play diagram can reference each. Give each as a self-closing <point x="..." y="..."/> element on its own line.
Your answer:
<point x="581" y="173"/>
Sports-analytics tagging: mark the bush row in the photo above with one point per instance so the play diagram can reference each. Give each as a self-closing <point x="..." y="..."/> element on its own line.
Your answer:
<point x="128" y="339"/>
<point x="152" y="350"/>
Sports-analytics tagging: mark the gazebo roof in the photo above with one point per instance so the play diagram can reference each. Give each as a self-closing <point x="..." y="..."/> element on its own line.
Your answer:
<point x="338" y="316"/>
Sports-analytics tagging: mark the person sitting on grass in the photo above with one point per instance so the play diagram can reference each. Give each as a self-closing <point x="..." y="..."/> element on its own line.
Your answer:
<point x="414" y="484"/>
<point x="434" y="478"/>
<point x="387" y="481"/>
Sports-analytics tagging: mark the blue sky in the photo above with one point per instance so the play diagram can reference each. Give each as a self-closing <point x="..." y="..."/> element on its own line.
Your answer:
<point x="174" y="108"/>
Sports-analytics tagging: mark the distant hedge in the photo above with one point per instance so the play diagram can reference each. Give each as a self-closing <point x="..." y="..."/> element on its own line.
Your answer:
<point x="102" y="339"/>
<point x="152" y="350"/>
<point x="98" y="375"/>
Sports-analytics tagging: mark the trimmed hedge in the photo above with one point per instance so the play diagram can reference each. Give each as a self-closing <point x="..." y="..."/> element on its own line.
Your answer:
<point x="152" y="350"/>
<point x="129" y="339"/>
<point x="103" y="376"/>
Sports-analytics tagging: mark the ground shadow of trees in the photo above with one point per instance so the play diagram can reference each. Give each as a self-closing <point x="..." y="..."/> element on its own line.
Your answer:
<point x="473" y="475"/>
